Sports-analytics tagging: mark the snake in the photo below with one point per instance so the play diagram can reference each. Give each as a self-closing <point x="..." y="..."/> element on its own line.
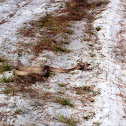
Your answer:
<point x="29" y="70"/>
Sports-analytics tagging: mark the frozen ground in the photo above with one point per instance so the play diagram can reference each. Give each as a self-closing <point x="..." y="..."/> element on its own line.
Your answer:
<point x="108" y="75"/>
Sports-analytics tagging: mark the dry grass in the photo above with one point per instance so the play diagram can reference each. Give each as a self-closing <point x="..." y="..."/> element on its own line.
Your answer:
<point x="49" y="26"/>
<point x="29" y="92"/>
<point x="47" y="44"/>
<point x="30" y="79"/>
<point x="83" y="90"/>
<point x="44" y="44"/>
<point x="52" y="26"/>
<point x="27" y="31"/>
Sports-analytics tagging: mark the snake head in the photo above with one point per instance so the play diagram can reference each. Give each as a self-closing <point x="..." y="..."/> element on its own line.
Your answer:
<point x="84" y="66"/>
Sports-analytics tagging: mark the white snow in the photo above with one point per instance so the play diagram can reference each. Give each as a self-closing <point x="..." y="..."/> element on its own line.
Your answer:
<point x="108" y="75"/>
<point x="113" y="104"/>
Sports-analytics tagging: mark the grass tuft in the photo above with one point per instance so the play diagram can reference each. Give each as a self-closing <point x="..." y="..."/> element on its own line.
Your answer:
<point x="69" y="31"/>
<point x="83" y="90"/>
<point x="69" y="121"/>
<point x="58" y="48"/>
<point x="64" y="101"/>
<point x="5" y="67"/>
<point x="19" y="111"/>
<point x="8" y="91"/>
<point x="87" y="88"/>
<point x="5" y="80"/>
<point x="92" y="55"/>
<point x="86" y="117"/>
<point x="62" y="85"/>
<point x="49" y="74"/>
<point x="98" y="28"/>
<point x="60" y="92"/>
<point x="98" y="123"/>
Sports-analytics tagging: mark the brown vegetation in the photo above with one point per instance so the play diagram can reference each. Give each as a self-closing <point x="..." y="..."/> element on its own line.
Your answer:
<point x="52" y="25"/>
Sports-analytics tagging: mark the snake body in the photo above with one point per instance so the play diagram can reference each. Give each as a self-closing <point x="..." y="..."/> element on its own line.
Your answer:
<point x="24" y="71"/>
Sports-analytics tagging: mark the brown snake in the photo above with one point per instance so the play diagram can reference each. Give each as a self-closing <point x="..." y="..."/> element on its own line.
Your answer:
<point x="24" y="71"/>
